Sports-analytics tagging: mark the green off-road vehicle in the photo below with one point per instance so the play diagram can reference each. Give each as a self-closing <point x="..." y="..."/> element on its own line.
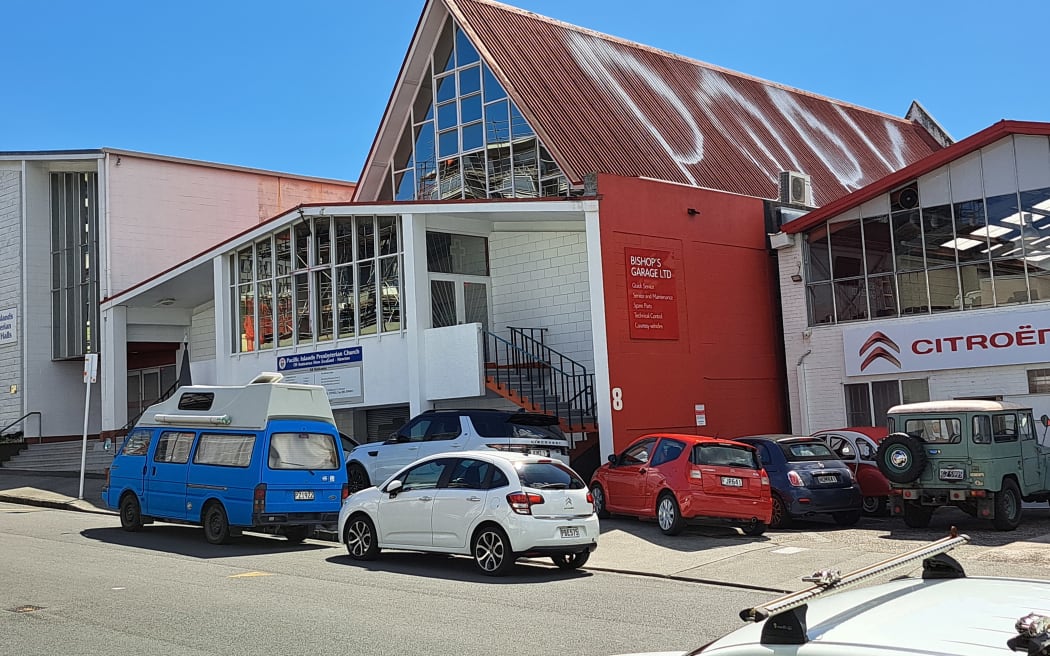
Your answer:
<point x="984" y="457"/>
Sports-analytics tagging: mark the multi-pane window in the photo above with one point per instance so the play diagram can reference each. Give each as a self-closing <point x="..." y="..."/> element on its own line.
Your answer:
<point x="465" y="138"/>
<point x="917" y="259"/>
<point x="322" y="279"/>
<point x="867" y="404"/>
<point x="74" y="265"/>
<point x="1039" y="381"/>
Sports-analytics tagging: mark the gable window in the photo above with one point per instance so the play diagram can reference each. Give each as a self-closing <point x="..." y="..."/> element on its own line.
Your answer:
<point x="465" y="138"/>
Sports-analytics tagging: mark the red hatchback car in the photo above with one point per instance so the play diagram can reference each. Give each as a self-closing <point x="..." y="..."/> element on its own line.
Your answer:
<point x="680" y="479"/>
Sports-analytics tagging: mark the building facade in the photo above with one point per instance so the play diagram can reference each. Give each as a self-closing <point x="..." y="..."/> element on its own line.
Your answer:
<point x="83" y="225"/>
<point x="929" y="284"/>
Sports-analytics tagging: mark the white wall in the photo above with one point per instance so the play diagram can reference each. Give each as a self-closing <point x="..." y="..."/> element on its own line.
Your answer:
<point x="539" y="280"/>
<point x="11" y="297"/>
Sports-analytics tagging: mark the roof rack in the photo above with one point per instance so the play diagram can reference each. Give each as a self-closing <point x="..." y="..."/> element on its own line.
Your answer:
<point x="789" y="611"/>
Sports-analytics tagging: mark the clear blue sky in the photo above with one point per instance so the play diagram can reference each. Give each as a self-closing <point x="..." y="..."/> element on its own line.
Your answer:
<point x="301" y="87"/>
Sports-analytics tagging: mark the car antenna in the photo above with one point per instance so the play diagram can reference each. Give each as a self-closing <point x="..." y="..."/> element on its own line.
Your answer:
<point x="786" y="615"/>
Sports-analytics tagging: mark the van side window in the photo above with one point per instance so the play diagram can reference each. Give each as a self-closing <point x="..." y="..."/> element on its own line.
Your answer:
<point x="1004" y="427"/>
<point x="303" y="451"/>
<point x="982" y="430"/>
<point x="224" y="450"/>
<point x="174" y="447"/>
<point x="196" y="401"/>
<point x="137" y="443"/>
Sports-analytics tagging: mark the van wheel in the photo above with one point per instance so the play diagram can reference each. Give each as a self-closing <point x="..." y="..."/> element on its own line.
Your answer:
<point x="1007" y="507"/>
<point x="130" y="513"/>
<point x="356" y="478"/>
<point x="668" y="516"/>
<point x="216" y="526"/>
<point x="297" y="534"/>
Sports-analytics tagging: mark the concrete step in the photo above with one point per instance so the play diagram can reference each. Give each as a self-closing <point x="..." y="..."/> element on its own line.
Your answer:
<point x="61" y="457"/>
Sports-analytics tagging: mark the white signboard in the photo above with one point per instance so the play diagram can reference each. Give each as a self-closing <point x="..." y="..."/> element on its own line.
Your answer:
<point x="954" y="342"/>
<point x="342" y="383"/>
<point x="8" y="328"/>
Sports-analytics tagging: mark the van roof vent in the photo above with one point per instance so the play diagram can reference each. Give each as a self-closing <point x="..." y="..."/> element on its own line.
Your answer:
<point x="267" y="377"/>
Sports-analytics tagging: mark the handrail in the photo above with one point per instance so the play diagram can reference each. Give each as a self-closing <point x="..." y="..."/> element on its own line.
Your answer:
<point x="39" y="425"/>
<point x="163" y="397"/>
<point x="552" y="382"/>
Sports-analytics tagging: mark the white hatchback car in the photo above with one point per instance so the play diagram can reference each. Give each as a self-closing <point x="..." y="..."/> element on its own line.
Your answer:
<point x="494" y="506"/>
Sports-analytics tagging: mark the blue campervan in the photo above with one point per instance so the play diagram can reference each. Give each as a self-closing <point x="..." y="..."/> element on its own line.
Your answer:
<point x="259" y="457"/>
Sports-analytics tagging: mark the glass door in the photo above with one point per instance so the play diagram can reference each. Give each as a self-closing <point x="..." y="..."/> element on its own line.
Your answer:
<point x="457" y="300"/>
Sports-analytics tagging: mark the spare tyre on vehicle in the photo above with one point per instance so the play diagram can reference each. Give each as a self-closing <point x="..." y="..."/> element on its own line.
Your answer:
<point x="901" y="457"/>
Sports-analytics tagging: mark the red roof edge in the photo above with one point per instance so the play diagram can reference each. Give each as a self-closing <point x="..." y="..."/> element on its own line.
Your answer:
<point x="975" y="141"/>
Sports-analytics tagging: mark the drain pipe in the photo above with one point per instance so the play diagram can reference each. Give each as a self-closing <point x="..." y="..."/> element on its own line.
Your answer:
<point x="803" y="394"/>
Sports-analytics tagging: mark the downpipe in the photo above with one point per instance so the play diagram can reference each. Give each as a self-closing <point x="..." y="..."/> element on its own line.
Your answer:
<point x="803" y="393"/>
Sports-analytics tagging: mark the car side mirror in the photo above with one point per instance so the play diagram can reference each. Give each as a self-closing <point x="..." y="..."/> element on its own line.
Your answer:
<point x="1045" y="420"/>
<point x="612" y="458"/>
<point x="394" y="488"/>
<point x="395" y="438"/>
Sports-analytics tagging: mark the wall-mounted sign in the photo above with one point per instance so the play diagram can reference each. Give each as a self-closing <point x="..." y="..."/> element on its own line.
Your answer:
<point x="701" y="414"/>
<point x="339" y="371"/>
<point x="8" y="327"/>
<point x="652" y="301"/>
<point x="959" y="341"/>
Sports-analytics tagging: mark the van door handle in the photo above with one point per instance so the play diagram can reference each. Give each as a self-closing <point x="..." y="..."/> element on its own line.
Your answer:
<point x="473" y="498"/>
<point x="154" y="472"/>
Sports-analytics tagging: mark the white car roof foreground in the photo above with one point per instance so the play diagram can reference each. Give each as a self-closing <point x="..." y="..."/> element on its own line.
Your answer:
<point x="935" y="616"/>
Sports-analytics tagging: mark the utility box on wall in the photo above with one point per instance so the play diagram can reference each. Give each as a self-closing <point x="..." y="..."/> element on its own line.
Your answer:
<point x="455" y="362"/>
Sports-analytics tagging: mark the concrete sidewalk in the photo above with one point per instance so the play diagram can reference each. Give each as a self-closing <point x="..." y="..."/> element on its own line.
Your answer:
<point x="774" y="562"/>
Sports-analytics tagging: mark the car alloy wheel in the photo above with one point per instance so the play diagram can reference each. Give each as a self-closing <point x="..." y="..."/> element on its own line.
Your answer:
<point x="780" y="517"/>
<point x="668" y="516"/>
<point x="492" y="552"/>
<point x="357" y="478"/>
<point x="598" y="494"/>
<point x="360" y="538"/>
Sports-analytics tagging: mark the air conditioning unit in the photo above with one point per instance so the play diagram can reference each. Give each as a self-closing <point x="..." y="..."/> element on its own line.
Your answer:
<point x="796" y="188"/>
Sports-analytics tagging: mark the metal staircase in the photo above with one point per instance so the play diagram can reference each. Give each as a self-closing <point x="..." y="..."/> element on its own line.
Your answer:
<point x="534" y="376"/>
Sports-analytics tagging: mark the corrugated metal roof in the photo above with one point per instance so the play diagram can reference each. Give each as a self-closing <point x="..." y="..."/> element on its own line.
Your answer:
<point x="936" y="160"/>
<point x="602" y="104"/>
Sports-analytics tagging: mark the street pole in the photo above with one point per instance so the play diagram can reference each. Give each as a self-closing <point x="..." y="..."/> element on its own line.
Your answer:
<point x="90" y="373"/>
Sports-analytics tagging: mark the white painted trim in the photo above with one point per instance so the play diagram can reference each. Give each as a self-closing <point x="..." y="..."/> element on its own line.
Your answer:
<point x="599" y="333"/>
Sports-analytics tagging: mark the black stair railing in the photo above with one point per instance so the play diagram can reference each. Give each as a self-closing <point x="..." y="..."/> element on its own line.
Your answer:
<point x="163" y="397"/>
<point x="552" y="382"/>
<point x="21" y="435"/>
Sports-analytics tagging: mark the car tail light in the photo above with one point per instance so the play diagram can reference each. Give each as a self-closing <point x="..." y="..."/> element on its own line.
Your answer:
<point x="765" y="481"/>
<point x="522" y="503"/>
<point x="695" y="474"/>
<point x="345" y="492"/>
<point x="795" y="479"/>
<point x="590" y="498"/>
<point x="978" y="493"/>
<point x="259" y="499"/>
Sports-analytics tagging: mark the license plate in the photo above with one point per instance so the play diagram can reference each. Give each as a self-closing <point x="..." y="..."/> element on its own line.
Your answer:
<point x="304" y="495"/>
<point x="952" y="474"/>
<point x="543" y="453"/>
<point x="569" y="531"/>
<point x="730" y="481"/>
<point x="828" y="479"/>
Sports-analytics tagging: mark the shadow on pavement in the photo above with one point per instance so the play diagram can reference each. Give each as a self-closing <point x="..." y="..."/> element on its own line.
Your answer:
<point x="456" y="568"/>
<point x="692" y="538"/>
<point x="189" y="541"/>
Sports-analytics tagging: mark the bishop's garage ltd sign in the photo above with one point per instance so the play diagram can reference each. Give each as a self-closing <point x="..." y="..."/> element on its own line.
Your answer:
<point x="957" y="342"/>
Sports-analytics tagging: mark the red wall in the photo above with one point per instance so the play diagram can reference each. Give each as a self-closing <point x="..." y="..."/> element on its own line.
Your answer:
<point x="726" y="353"/>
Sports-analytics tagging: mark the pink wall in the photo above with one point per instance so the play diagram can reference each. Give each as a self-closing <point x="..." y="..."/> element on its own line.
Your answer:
<point x="722" y="351"/>
<point x="163" y="212"/>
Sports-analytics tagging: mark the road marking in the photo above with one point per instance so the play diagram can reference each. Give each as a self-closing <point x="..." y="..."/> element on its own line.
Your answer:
<point x="788" y="550"/>
<point x="249" y="574"/>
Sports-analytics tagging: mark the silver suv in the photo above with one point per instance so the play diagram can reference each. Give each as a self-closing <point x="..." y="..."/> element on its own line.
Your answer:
<point x="439" y="431"/>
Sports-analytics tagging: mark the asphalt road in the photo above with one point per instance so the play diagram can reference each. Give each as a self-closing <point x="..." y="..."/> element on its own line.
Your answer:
<point x="73" y="583"/>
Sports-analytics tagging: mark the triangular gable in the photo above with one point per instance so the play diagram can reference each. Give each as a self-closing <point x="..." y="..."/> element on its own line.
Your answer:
<point x="601" y="104"/>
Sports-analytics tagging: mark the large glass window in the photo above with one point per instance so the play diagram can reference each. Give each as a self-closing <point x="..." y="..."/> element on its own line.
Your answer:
<point x="977" y="253"/>
<point x="324" y="279"/>
<point x="867" y="404"/>
<point x="465" y="138"/>
<point x="74" y="265"/>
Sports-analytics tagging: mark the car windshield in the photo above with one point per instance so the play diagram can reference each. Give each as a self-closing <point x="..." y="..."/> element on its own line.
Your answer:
<point x="724" y="455"/>
<point x="303" y="451"/>
<point x="799" y="451"/>
<point x="547" y="476"/>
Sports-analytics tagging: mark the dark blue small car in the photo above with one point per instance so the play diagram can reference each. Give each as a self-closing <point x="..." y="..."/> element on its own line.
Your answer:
<point x="807" y="479"/>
